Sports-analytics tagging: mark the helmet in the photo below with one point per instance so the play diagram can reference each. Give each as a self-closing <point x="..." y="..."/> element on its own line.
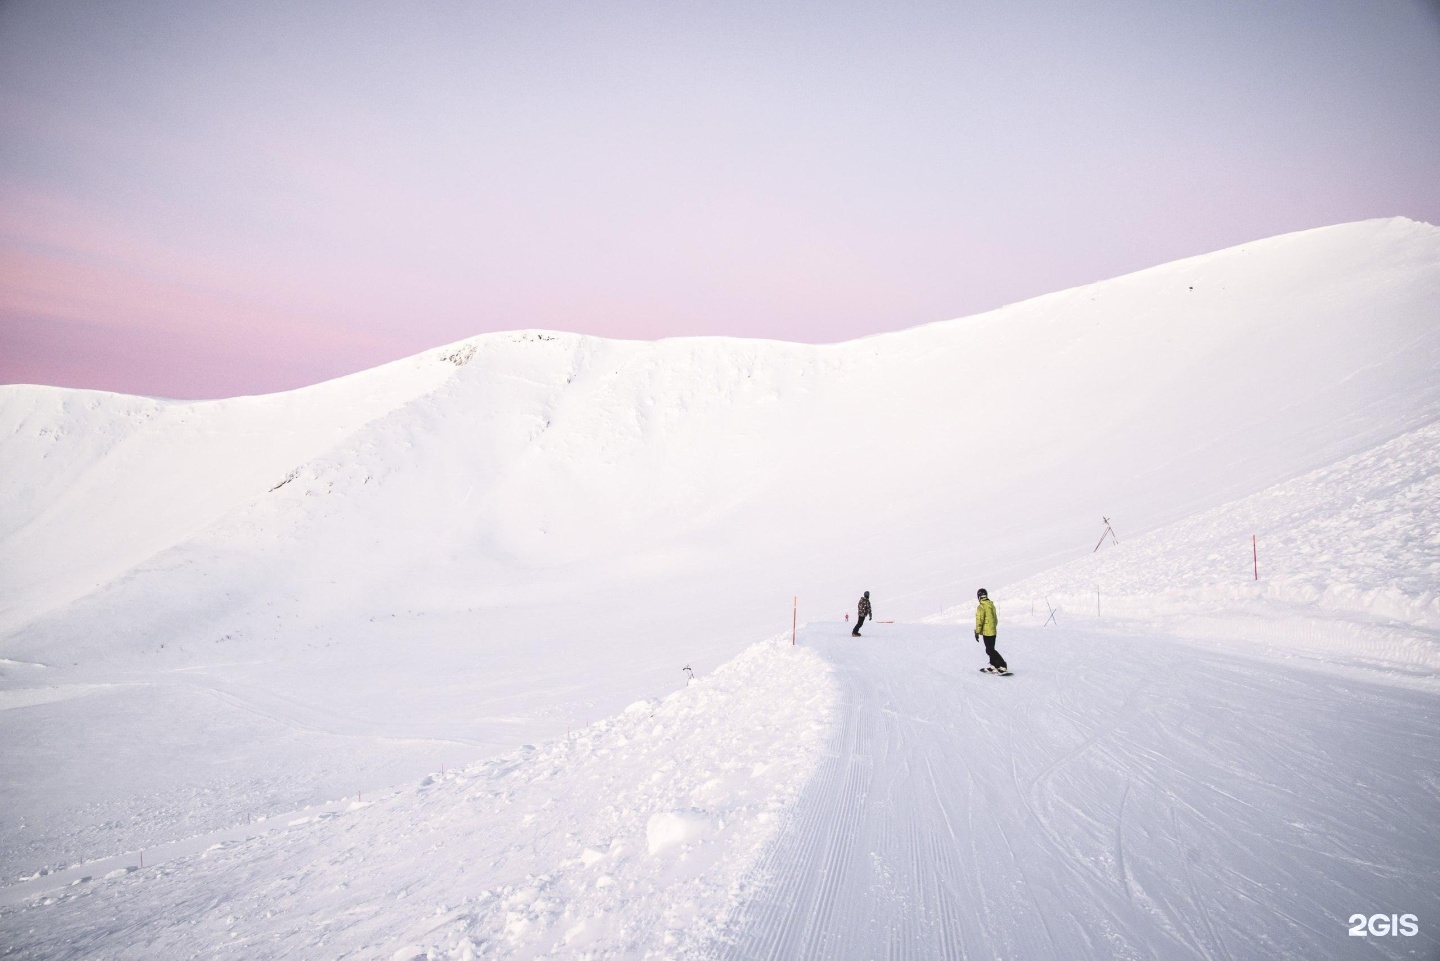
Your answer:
<point x="981" y="593"/>
<point x="867" y="593"/>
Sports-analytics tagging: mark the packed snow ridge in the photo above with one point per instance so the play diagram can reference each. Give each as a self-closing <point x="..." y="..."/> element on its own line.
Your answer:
<point x="223" y="622"/>
<point x="625" y="838"/>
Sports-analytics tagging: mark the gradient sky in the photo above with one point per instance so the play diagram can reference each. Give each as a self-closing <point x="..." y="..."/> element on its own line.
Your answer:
<point x="205" y="199"/>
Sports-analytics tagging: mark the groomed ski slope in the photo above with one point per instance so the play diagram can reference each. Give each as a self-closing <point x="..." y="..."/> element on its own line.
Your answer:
<point x="1194" y="764"/>
<point x="1119" y="796"/>
<point x="1116" y="797"/>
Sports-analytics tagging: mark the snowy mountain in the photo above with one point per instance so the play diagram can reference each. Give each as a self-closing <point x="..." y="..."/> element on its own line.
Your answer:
<point x="216" y="611"/>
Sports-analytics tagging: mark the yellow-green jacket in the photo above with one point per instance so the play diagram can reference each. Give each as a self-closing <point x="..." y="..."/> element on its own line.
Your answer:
<point x="985" y="619"/>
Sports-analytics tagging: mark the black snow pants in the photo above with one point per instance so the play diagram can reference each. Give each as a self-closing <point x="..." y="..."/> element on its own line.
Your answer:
<point x="996" y="661"/>
<point x="859" y="619"/>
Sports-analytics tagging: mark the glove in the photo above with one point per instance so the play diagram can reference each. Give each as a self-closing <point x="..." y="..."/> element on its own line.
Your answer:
<point x="977" y="637"/>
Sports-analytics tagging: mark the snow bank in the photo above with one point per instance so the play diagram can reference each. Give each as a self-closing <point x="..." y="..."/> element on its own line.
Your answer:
<point x="625" y="839"/>
<point x="1348" y="562"/>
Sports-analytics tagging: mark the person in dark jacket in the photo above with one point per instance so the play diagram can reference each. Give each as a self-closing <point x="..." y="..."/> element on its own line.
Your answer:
<point x="861" y="612"/>
<point x="986" y="622"/>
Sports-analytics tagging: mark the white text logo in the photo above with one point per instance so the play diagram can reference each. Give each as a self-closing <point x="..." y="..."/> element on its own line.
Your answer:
<point x="1380" y="925"/>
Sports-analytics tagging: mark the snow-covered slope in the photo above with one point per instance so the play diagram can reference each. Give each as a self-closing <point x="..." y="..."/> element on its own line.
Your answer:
<point x="846" y="799"/>
<point x="1156" y="392"/>
<point x="220" y="609"/>
<point x="97" y="483"/>
<point x="1118" y="796"/>
<point x="624" y="837"/>
<point x="1341" y="564"/>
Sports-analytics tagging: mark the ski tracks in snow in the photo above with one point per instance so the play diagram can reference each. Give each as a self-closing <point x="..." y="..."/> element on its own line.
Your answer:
<point x="893" y="803"/>
<point x="1189" y="805"/>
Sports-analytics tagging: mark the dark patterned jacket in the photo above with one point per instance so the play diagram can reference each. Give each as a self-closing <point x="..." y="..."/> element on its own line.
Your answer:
<point x="864" y="610"/>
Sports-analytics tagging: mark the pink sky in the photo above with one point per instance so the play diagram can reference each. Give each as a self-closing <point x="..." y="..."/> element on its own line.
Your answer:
<point x="200" y="201"/>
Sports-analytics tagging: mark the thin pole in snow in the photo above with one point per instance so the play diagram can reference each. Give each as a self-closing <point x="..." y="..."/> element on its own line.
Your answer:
<point x="1053" y="612"/>
<point x="142" y="859"/>
<point x="794" y="617"/>
<point x="1097" y="602"/>
<point x="1255" y="556"/>
<point x="1110" y="532"/>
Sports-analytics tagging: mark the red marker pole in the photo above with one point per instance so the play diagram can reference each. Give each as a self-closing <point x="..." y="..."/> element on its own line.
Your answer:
<point x="794" y="617"/>
<point x="1255" y="556"/>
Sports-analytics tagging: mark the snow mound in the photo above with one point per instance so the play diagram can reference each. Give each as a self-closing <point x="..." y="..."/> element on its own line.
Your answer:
<point x="521" y="856"/>
<point x="672" y="829"/>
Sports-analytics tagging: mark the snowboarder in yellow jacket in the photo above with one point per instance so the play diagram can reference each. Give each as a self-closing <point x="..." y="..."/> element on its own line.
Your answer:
<point x="985" y="623"/>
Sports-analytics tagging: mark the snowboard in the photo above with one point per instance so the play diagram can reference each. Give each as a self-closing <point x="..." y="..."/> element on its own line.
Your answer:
<point x="990" y="670"/>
